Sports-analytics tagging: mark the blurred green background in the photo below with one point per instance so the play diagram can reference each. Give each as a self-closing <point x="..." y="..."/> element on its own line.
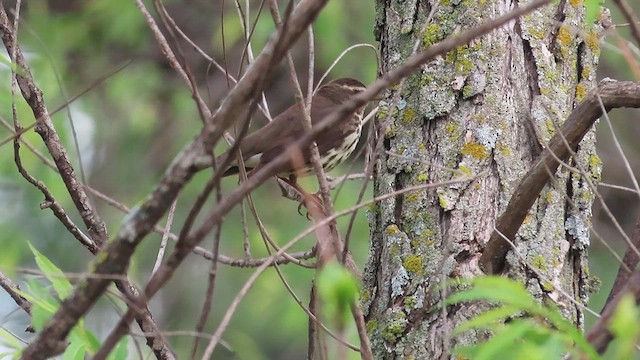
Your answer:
<point x="129" y="128"/>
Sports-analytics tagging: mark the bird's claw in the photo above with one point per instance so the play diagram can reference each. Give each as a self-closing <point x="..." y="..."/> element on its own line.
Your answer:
<point x="311" y="200"/>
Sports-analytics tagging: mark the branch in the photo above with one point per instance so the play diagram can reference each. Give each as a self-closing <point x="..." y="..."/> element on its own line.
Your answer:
<point x="114" y="258"/>
<point x="14" y="291"/>
<point x="600" y="336"/>
<point x="613" y="95"/>
<point x="44" y="127"/>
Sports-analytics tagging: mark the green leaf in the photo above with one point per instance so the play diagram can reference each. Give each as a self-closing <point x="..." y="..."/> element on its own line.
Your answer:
<point x="43" y="304"/>
<point x="75" y="350"/>
<point x="500" y="343"/>
<point x="538" y="329"/>
<point x="624" y="327"/>
<point x="488" y="319"/>
<point x="57" y="278"/>
<point x="337" y="287"/>
<point x="9" y="340"/>
<point x="121" y="351"/>
<point x="593" y="10"/>
<point x="498" y="289"/>
<point x="86" y="337"/>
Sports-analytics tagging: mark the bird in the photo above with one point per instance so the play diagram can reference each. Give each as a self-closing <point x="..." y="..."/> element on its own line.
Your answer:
<point x="334" y="144"/>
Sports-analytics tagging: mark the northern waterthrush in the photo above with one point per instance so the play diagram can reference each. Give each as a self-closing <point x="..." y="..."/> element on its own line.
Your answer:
<point x="335" y="144"/>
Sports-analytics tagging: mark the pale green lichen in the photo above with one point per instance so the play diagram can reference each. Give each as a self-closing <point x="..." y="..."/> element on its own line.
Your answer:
<point x="464" y="66"/>
<point x="503" y="149"/>
<point x="390" y="131"/>
<point x="465" y="170"/>
<point x="479" y="118"/>
<point x="539" y="262"/>
<point x="410" y="302"/>
<point x="394" y="329"/>
<point x="595" y="162"/>
<point x="551" y="128"/>
<point x="536" y="33"/>
<point x="411" y="197"/>
<point x="371" y="326"/>
<point x="452" y="129"/>
<point x="432" y="34"/>
<point x="443" y="202"/>
<point x="394" y="249"/>
<point x="392" y="229"/>
<point x="547" y="286"/>
<point x="409" y="115"/>
<point x="365" y="295"/>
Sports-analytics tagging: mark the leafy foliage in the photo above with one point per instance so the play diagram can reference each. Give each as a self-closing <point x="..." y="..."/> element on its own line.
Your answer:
<point x="82" y="342"/>
<point x="519" y="325"/>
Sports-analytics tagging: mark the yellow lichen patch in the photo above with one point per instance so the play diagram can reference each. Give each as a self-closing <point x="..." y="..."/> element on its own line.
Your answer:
<point x="427" y="233"/>
<point x="411" y="197"/>
<point x="595" y="161"/>
<point x="536" y="33"/>
<point x="465" y="170"/>
<point x="443" y="202"/>
<point x="409" y="115"/>
<point x="564" y="36"/>
<point x="451" y="128"/>
<point x="575" y="3"/>
<point x="551" y="128"/>
<point x="413" y="264"/>
<point x="475" y="150"/>
<point x="392" y="229"/>
<point x="581" y="92"/>
<point x="503" y="149"/>
<point x="593" y="42"/>
<point x="549" y="197"/>
<point x="479" y="118"/>
<point x="390" y="131"/>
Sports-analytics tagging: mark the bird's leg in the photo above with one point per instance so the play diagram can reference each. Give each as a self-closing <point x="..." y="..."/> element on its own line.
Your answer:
<point x="307" y="199"/>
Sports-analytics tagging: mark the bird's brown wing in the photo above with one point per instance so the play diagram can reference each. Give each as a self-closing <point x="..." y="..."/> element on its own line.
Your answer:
<point x="273" y="135"/>
<point x="320" y="108"/>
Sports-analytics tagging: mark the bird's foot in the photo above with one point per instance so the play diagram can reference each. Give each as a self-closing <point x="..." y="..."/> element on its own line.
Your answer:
<point x="313" y="202"/>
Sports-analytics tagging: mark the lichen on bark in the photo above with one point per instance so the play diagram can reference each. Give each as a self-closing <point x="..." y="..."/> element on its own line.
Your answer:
<point x="483" y="111"/>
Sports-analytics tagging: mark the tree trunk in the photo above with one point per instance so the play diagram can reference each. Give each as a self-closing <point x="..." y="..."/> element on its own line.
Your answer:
<point x="483" y="111"/>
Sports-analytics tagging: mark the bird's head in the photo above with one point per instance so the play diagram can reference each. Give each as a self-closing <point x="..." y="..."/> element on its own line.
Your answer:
<point x="341" y="89"/>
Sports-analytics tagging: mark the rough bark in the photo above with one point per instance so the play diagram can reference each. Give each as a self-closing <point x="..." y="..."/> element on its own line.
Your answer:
<point x="485" y="109"/>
